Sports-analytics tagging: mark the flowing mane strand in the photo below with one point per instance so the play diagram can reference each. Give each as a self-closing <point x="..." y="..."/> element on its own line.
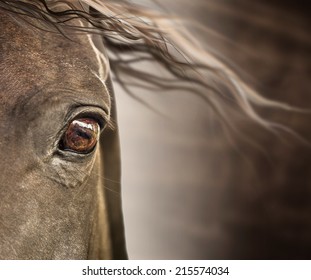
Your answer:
<point x="132" y="34"/>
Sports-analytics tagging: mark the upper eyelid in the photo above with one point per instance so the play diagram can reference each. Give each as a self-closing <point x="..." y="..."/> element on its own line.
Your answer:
<point x="89" y="111"/>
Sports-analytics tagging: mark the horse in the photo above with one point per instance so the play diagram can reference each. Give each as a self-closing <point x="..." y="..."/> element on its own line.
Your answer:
<point x="59" y="196"/>
<point x="60" y="177"/>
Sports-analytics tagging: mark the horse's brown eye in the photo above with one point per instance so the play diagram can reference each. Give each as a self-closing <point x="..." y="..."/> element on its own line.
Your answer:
<point x="81" y="136"/>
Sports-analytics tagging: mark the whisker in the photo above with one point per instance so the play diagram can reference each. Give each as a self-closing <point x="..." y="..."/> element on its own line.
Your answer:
<point x="102" y="177"/>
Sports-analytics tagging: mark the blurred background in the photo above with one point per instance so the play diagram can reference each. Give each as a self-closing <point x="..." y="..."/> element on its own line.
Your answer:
<point x="192" y="192"/>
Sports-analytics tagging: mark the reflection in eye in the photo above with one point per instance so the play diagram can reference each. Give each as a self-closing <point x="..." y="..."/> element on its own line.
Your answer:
<point x="81" y="136"/>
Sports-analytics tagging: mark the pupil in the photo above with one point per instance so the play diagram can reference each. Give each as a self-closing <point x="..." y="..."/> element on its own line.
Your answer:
<point x="84" y="134"/>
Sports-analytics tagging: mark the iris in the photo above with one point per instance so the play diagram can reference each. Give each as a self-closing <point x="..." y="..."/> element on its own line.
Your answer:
<point x="81" y="136"/>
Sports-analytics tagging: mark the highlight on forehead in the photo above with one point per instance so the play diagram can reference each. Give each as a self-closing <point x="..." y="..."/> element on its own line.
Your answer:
<point x="133" y="34"/>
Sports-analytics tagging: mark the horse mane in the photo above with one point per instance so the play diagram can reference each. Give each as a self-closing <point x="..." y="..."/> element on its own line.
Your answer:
<point x="135" y="34"/>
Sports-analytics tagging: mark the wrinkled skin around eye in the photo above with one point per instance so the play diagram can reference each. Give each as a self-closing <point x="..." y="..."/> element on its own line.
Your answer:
<point x="81" y="136"/>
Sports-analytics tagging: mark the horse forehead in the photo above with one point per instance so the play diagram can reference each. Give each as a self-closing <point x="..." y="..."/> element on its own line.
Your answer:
<point x="33" y="58"/>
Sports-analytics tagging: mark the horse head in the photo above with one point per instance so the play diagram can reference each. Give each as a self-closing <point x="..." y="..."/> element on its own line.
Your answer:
<point x="60" y="173"/>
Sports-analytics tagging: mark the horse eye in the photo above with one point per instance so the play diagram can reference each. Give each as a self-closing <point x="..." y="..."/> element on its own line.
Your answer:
<point x="81" y="136"/>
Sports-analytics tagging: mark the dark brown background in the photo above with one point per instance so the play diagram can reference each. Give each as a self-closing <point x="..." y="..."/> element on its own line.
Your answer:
<point x="188" y="192"/>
